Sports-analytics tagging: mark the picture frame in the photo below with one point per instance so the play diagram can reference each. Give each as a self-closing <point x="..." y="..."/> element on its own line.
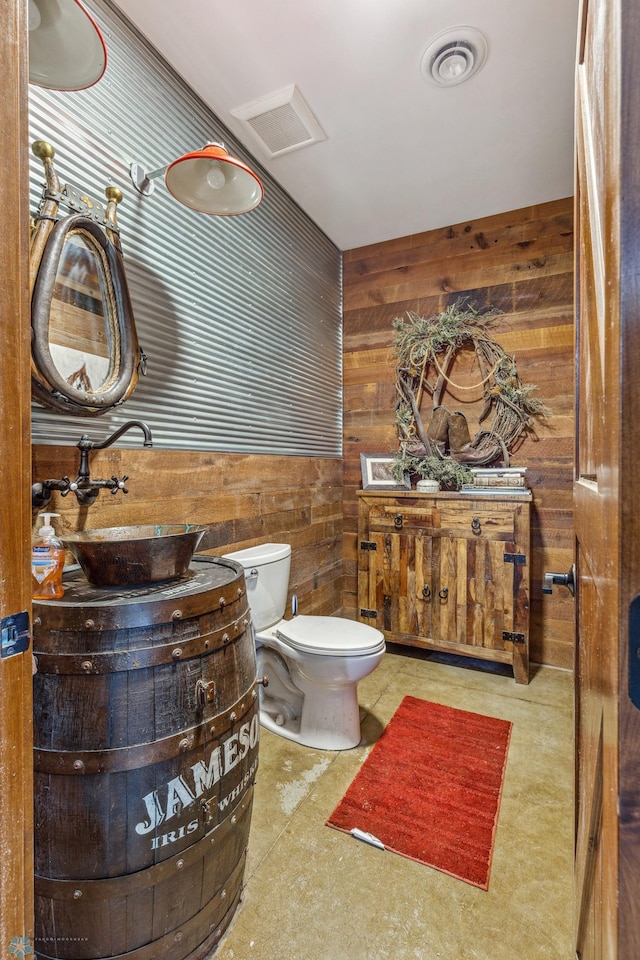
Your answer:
<point x="377" y="473"/>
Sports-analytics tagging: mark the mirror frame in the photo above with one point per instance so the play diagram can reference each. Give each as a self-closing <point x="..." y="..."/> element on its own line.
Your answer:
<point x="98" y="228"/>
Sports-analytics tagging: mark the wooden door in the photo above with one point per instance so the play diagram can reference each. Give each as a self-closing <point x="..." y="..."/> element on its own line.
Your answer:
<point x="16" y="836"/>
<point x="607" y="516"/>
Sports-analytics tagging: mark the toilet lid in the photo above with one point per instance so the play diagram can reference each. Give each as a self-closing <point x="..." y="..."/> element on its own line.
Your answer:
<point x="334" y="636"/>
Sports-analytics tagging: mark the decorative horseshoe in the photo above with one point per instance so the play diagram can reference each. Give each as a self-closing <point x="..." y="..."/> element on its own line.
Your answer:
<point x="443" y="593"/>
<point x="475" y="525"/>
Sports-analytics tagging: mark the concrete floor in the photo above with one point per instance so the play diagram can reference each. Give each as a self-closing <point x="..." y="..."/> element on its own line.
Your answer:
<point x="314" y="893"/>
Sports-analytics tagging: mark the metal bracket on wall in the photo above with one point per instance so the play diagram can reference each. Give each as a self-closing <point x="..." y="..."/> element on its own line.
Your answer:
<point x="369" y="614"/>
<point x="368" y="545"/>
<point x="513" y="637"/>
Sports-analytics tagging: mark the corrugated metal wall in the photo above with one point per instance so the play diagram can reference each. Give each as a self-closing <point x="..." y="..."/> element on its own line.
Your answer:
<point x="241" y="316"/>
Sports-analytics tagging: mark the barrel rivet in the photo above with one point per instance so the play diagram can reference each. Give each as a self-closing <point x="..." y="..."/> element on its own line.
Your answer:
<point x="245" y="624"/>
<point x="179" y="864"/>
<point x="234" y="819"/>
<point x="77" y="894"/>
<point x="177" y="614"/>
<point x="177" y="653"/>
<point x="206" y="644"/>
<point x="225" y="638"/>
<point x="239" y="591"/>
<point x="178" y="936"/>
<point x="183" y="746"/>
<point x="223" y="894"/>
<point x="78" y="765"/>
<point x="37" y="622"/>
<point x="87" y="666"/>
<point x="222" y="601"/>
<point x="254" y="694"/>
<point x="212" y="731"/>
<point x="233" y="716"/>
<point x="89" y="624"/>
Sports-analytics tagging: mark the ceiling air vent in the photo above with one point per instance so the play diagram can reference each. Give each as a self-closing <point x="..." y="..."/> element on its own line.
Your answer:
<point x="454" y="56"/>
<point x="282" y="121"/>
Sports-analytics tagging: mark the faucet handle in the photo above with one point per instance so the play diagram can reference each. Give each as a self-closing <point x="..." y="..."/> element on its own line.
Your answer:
<point x="67" y="487"/>
<point x="119" y="485"/>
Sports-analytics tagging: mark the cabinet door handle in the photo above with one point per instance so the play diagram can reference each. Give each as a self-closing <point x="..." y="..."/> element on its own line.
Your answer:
<point x="443" y="593"/>
<point x="426" y="591"/>
<point x="475" y="525"/>
<point x="398" y="520"/>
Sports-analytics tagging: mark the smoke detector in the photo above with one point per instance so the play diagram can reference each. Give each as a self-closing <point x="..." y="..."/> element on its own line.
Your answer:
<point x="454" y="56"/>
<point x="282" y="121"/>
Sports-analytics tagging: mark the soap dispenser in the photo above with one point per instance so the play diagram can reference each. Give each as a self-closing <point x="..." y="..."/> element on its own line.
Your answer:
<point x="47" y="562"/>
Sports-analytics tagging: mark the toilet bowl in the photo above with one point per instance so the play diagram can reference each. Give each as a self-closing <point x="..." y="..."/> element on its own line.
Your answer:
<point x="313" y="663"/>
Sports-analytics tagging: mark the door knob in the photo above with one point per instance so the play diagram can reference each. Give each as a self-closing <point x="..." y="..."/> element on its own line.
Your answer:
<point x="567" y="580"/>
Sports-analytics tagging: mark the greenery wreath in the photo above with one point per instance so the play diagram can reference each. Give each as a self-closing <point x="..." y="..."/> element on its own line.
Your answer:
<point x="425" y="348"/>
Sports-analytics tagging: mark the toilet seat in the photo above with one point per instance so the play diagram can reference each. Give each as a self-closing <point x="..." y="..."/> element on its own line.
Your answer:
<point x="331" y="636"/>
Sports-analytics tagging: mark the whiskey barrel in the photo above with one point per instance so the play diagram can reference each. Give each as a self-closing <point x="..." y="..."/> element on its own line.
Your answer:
<point x="146" y="745"/>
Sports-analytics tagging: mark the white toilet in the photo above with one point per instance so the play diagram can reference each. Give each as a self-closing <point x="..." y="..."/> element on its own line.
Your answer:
<point x="313" y="663"/>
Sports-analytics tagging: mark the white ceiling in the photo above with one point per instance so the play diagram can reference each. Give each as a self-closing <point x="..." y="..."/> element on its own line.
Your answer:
<point x="402" y="155"/>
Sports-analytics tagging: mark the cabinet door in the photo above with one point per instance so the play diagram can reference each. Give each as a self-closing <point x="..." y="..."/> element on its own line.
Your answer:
<point x="396" y="566"/>
<point x="474" y="593"/>
<point x="491" y="544"/>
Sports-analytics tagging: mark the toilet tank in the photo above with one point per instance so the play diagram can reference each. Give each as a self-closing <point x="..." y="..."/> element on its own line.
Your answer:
<point x="266" y="572"/>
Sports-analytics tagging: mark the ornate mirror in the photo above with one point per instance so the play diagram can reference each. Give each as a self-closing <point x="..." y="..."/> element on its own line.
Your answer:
<point x="85" y="352"/>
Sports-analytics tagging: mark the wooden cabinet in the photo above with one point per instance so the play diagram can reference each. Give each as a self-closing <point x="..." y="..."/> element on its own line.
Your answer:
<point x="447" y="572"/>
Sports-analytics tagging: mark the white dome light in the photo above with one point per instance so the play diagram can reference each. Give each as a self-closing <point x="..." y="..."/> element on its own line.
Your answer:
<point x="454" y="56"/>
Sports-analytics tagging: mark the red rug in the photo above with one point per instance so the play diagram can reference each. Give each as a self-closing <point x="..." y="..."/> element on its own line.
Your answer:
<point x="430" y="788"/>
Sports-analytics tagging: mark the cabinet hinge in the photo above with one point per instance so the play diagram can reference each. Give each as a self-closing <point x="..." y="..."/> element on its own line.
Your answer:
<point x="513" y="637"/>
<point x="368" y="545"/>
<point x="515" y="558"/>
<point x="368" y="614"/>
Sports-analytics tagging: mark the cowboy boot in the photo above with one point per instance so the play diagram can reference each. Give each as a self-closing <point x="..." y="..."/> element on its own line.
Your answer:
<point x="459" y="435"/>
<point x="438" y="429"/>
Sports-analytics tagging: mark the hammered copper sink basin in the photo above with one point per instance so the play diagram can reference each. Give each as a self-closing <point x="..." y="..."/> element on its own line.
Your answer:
<point x="123" y="556"/>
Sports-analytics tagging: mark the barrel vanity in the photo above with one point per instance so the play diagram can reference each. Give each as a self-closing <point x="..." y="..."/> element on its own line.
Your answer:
<point x="447" y="572"/>
<point x="146" y="747"/>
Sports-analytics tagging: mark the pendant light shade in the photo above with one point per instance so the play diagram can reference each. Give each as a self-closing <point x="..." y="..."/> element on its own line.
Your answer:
<point x="208" y="180"/>
<point x="66" y="48"/>
<point x="211" y="181"/>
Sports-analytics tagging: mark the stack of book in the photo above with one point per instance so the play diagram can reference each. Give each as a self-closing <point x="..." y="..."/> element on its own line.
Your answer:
<point x="496" y="481"/>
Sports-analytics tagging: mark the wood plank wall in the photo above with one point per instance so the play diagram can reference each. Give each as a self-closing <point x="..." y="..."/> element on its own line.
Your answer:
<point x="16" y="736"/>
<point x="244" y="500"/>
<point x="522" y="263"/>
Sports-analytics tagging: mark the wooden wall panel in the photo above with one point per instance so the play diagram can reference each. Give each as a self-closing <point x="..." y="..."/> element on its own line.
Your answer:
<point x="243" y="500"/>
<point x="522" y="263"/>
<point x="16" y="738"/>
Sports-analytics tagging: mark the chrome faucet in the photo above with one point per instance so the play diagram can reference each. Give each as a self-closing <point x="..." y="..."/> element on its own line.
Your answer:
<point x="85" y="488"/>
